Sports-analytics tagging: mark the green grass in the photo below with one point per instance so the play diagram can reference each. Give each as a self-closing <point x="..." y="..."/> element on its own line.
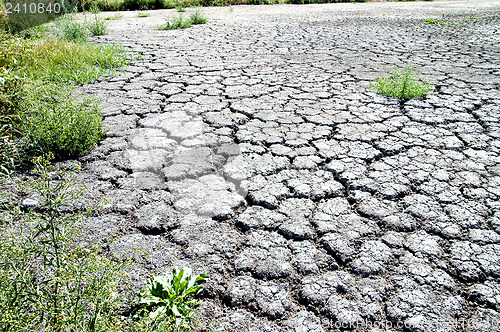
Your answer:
<point x="197" y="18"/>
<point x="38" y="113"/>
<point x="175" y="23"/>
<point x="434" y="21"/>
<point x="97" y="26"/>
<point x="114" y="17"/>
<point x="143" y="14"/>
<point x="402" y="83"/>
<point x="180" y="23"/>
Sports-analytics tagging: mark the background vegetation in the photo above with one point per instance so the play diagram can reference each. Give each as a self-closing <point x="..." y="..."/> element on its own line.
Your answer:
<point x="39" y="110"/>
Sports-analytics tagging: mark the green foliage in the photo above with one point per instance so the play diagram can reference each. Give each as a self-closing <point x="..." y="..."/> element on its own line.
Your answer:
<point x="175" y="23"/>
<point x="71" y="30"/>
<point x="62" y="127"/>
<point x="47" y="283"/>
<point x="97" y="26"/>
<point x="143" y="14"/>
<point x="114" y="17"/>
<point x="180" y="8"/>
<point x="32" y="93"/>
<point x="61" y="62"/>
<point x="402" y="83"/>
<point x="433" y="21"/>
<point x="197" y="18"/>
<point x="170" y="299"/>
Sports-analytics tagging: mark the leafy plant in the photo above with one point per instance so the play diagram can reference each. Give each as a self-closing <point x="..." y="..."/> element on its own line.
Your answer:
<point x="197" y="18"/>
<point x="143" y="14"/>
<point x="402" y="83"/>
<point x="97" y="26"/>
<point x="62" y="127"/>
<point x="170" y="298"/>
<point x="47" y="282"/>
<point x="180" y="8"/>
<point x="175" y="23"/>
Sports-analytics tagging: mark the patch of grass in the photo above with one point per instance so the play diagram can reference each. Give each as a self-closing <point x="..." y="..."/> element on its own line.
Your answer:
<point x="434" y="21"/>
<point x="143" y="14"/>
<point x="71" y="30"/>
<point x="36" y="112"/>
<point x="175" y="23"/>
<point x="180" y="8"/>
<point x="170" y="299"/>
<point x="402" y="83"/>
<point x="97" y="26"/>
<point x="197" y="18"/>
<point x="114" y="17"/>
<point x="58" y="61"/>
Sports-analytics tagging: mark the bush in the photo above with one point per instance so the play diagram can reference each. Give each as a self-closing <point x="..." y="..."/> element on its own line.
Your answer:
<point x="62" y="127"/>
<point x="47" y="283"/>
<point x="402" y="83"/>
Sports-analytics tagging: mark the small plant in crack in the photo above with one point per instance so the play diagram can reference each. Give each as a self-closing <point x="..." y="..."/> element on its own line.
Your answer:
<point x="402" y="83"/>
<point x="169" y="299"/>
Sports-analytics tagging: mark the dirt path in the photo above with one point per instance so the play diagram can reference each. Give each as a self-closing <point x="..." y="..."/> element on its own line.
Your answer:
<point x="252" y="149"/>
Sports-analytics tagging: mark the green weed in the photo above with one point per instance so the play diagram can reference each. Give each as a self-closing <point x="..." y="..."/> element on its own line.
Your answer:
<point x="114" y="17"/>
<point x="47" y="283"/>
<point x="402" y="83"/>
<point x="97" y="26"/>
<point x="170" y="298"/>
<point x="143" y="14"/>
<point x="180" y="8"/>
<point x="175" y="23"/>
<point x="62" y="127"/>
<point x="197" y="18"/>
<point x="71" y="30"/>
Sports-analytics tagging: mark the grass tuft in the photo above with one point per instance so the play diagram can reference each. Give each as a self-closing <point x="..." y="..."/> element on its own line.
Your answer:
<point x="402" y="83"/>
<point x="175" y="23"/>
<point x="197" y="18"/>
<point x="143" y="14"/>
<point x="97" y="26"/>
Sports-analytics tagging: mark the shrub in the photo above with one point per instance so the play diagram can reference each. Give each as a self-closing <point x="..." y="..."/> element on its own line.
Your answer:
<point x="402" y="83"/>
<point x="47" y="283"/>
<point x="62" y="127"/>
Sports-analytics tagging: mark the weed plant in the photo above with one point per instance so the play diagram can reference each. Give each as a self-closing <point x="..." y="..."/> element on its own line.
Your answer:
<point x="62" y="127"/>
<point x="175" y="23"/>
<point x="36" y="112"/>
<point x="48" y="282"/>
<point x="169" y="299"/>
<point x="197" y="18"/>
<point x="113" y="17"/>
<point x="71" y="30"/>
<point x="402" y="83"/>
<point x="97" y="26"/>
<point x="143" y="14"/>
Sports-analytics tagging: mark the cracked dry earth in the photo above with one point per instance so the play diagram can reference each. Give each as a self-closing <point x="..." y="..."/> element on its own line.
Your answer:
<point x="252" y="149"/>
